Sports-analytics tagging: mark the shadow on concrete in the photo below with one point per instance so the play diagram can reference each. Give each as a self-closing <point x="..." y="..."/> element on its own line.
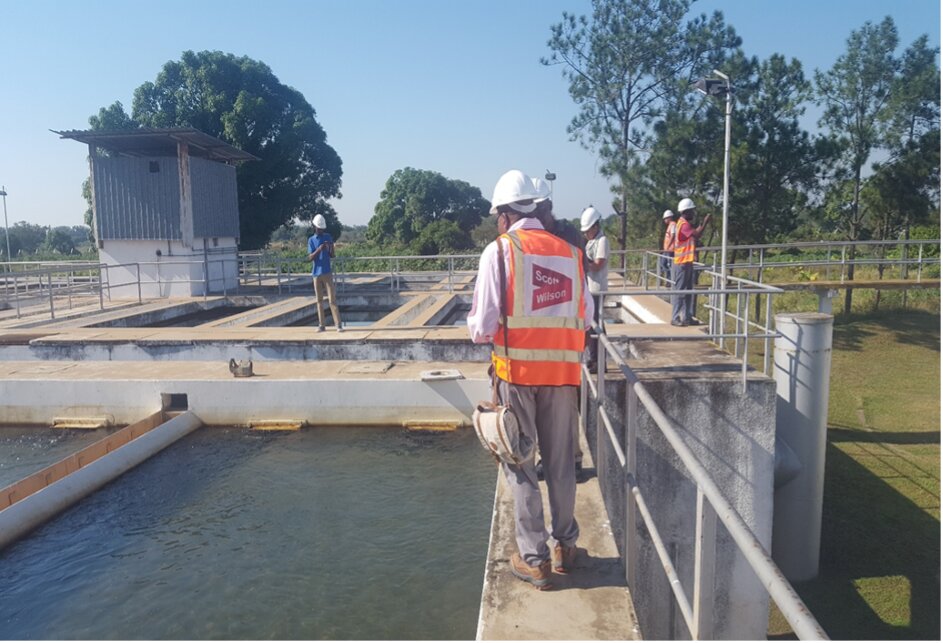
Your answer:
<point x="590" y="572"/>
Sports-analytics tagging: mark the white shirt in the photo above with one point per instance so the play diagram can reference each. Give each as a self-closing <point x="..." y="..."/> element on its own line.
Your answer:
<point x="598" y="248"/>
<point x="485" y="315"/>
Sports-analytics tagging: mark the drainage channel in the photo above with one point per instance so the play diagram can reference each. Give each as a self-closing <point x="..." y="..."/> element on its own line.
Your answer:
<point x="344" y="533"/>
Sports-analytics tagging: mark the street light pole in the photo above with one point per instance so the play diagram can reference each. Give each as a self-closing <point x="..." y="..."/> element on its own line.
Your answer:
<point x="716" y="87"/>
<point x="551" y="177"/>
<point x="6" y="225"/>
<point x="727" y="119"/>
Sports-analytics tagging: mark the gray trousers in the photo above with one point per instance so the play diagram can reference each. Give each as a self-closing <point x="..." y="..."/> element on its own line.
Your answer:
<point x="547" y="415"/>
<point x="682" y="306"/>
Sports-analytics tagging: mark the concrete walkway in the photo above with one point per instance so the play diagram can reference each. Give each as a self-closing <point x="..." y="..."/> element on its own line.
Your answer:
<point x="590" y="603"/>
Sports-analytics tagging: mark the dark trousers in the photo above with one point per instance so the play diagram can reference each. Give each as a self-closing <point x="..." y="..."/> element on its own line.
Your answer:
<point x="592" y="344"/>
<point x="666" y="261"/>
<point x="682" y="306"/>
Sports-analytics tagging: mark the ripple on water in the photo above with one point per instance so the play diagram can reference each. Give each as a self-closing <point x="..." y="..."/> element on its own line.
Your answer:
<point x="320" y="534"/>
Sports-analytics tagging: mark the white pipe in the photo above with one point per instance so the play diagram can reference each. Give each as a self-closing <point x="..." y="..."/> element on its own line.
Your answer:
<point x="22" y="517"/>
<point x="802" y="363"/>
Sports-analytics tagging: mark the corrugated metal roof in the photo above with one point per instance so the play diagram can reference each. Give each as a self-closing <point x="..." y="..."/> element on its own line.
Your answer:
<point x="149" y="141"/>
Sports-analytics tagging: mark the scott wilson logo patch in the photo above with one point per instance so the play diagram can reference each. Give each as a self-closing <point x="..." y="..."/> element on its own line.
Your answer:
<point x="550" y="288"/>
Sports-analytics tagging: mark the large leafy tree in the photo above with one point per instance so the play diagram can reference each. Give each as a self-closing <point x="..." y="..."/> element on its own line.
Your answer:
<point x="913" y="108"/>
<point x="855" y="93"/>
<point x="778" y="161"/>
<point x="628" y="65"/>
<point x="426" y="212"/>
<point x="241" y="101"/>
<point x="774" y="162"/>
<point x="904" y="191"/>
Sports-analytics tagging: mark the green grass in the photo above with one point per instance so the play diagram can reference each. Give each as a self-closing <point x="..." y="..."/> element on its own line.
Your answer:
<point x="879" y="572"/>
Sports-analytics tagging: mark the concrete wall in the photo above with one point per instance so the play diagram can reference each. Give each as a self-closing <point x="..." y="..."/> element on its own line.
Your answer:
<point x="732" y="434"/>
<point x="126" y="397"/>
<point x="351" y="347"/>
<point x="176" y="272"/>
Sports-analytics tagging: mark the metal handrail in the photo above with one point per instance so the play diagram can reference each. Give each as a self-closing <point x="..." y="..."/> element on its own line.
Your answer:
<point x="712" y="504"/>
<point x="57" y="280"/>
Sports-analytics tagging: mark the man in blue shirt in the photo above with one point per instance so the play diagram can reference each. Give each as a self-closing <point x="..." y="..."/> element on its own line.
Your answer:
<point x="320" y="251"/>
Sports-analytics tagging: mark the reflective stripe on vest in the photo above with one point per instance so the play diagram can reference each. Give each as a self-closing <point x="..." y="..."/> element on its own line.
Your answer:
<point x="669" y="242"/>
<point x="684" y="253"/>
<point x="544" y="298"/>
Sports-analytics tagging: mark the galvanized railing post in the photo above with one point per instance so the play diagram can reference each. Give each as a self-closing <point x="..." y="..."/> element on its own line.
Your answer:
<point x="278" y="274"/>
<point x="828" y="262"/>
<point x="767" y="331"/>
<point x="451" y="271"/>
<point x="600" y="392"/>
<point x="101" y="286"/>
<point x="68" y="282"/>
<point x="52" y="306"/>
<point x="631" y="473"/>
<point x="137" y="269"/>
<point x="16" y="295"/>
<point x="705" y="548"/>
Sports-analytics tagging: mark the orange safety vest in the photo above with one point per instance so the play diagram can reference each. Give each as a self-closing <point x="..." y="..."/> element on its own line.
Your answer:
<point x="669" y="242"/>
<point x="544" y="304"/>
<point x="684" y="252"/>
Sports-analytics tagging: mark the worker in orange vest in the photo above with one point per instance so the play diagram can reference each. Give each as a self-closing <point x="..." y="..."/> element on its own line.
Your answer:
<point x="685" y="247"/>
<point x="530" y="302"/>
<point x="668" y="243"/>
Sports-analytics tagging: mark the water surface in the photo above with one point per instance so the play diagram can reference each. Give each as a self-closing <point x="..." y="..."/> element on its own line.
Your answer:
<point x="26" y="450"/>
<point x="320" y="534"/>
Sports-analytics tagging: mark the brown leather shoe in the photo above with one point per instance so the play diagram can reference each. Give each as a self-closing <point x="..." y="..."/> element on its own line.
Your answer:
<point x="539" y="577"/>
<point x="563" y="558"/>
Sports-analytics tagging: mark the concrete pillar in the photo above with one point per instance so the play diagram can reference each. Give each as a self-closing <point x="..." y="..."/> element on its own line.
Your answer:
<point x="802" y="364"/>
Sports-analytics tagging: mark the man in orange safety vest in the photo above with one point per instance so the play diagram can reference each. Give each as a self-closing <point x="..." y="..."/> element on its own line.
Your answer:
<point x="530" y="302"/>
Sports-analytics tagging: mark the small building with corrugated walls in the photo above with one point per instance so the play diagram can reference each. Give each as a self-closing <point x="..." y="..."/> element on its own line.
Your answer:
<point x="166" y="213"/>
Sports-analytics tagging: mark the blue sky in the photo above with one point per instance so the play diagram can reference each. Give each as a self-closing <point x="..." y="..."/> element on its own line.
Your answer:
<point x="454" y="87"/>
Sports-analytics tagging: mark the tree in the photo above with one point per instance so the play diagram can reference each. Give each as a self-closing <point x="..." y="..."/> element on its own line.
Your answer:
<point x="58" y="240"/>
<point x="240" y="101"/>
<point x="626" y="68"/>
<point x="914" y="105"/>
<point x="426" y="206"/>
<point x="855" y="93"/>
<point x="905" y="191"/>
<point x="25" y="238"/>
<point x="112" y="117"/>
<point x="778" y="162"/>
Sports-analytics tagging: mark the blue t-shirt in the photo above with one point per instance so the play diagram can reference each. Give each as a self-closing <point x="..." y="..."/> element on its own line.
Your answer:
<point x="322" y="263"/>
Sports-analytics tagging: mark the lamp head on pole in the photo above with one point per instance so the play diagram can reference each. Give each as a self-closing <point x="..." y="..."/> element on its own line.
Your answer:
<point x="711" y="86"/>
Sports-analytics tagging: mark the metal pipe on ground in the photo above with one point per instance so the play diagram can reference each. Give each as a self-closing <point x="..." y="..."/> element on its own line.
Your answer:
<point x="22" y="517"/>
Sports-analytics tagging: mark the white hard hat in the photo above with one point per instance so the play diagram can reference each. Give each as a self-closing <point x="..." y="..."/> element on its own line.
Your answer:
<point x="668" y="214"/>
<point x="685" y="204"/>
<point x="514" y="186"/>
<point x="542" y="188"/>
<point x="319" y="222"/>
<point x="589" y="218"/>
